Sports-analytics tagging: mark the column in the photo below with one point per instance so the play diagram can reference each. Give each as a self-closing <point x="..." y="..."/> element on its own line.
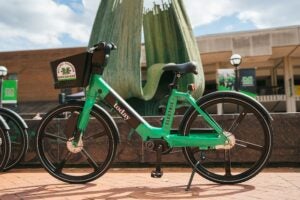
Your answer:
<point x="289" y="85"/>
<point x="273" y="72"/>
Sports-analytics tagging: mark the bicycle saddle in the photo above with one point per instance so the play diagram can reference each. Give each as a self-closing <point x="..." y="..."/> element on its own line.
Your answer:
<point x="184" y="68"/>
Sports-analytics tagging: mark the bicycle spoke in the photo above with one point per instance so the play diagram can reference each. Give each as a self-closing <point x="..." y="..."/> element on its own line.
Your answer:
<point x="195" y="150"/>
<point x="7" y="119"/>
<point x="249" y="145"/>
<point x="227" y="162"/>
<point x="89" y="158"/>
<point x="16" y="143"/>
<point x="95" y="136"/>
<point x="52" y="136"/>
<point x="62" y="163"/>
<point x="238" y="120"/>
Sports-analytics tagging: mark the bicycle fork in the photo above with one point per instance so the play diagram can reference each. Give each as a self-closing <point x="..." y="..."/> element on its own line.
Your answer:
<point x="75" y="126"/>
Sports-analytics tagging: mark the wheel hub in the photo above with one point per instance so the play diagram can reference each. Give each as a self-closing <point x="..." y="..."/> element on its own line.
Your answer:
<point x="229" y="143"/>
<point x="75" y="148"/>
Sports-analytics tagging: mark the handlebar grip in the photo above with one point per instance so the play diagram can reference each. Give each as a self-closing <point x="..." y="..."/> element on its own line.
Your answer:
<point x="111" y="46"/>
<point x="100" y="53"/>
<point x="106" y="46"/>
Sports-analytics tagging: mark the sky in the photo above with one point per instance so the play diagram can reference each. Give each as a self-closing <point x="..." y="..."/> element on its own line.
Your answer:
<point x="42" y="24"/>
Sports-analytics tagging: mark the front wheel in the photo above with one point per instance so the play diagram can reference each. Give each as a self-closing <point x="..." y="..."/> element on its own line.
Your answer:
<point x="94" y="153"/>
<point x="247" y="121"/>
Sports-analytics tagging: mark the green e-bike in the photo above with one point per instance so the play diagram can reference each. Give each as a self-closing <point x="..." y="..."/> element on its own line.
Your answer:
<point x="213" y="134"/>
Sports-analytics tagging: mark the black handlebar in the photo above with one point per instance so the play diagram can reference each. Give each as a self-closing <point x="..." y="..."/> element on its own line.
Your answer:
<point x="106" y="46"/>
<point x="111" y="46"/>
<point x="99" y="54"/>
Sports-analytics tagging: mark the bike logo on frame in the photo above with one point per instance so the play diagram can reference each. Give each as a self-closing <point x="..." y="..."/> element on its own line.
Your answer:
<point x="121" y="111"/>
<point x="65" y="71"/>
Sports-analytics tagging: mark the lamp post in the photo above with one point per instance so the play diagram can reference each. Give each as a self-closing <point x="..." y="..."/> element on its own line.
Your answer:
<point x="235" y="61"/>
<point x="3" y="73"/>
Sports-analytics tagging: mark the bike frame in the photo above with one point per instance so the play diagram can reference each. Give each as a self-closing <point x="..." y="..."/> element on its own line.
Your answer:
<point x="202" y="138"/>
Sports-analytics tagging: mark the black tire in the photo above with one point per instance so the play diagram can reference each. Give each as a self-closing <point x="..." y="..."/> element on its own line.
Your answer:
<point x="5" y="148"/>
<point x="99" y="145"/>
<point x="252" y="149"/>
<point x="18" y="137"/>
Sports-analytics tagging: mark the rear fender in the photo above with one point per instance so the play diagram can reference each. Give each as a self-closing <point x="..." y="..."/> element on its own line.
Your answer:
<point x="3" y="124"/>
<point x="14" y="115"/>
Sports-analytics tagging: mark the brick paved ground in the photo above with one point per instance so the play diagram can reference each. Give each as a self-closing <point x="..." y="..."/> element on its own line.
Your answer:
<point x="137" y="184"/>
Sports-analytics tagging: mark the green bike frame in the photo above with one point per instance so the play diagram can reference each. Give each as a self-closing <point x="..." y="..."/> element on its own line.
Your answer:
<point x="202" y="138"/>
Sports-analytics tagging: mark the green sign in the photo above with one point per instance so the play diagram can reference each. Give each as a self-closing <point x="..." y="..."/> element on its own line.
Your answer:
<point x="247" y="80"/>
<point x="9" y="91"/>
<point x="225" y="79"/>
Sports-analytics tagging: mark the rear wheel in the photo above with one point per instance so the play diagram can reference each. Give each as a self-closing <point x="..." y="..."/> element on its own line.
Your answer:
<point x="5" y="148"/>
<point x="235" y="113"/>
<point x="94" y="153"/>
<point x="18" y="137"/>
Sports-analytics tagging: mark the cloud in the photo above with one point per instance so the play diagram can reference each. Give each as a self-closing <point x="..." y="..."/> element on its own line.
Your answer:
<point x="33" y="24"/>
<point x="262" y="13"/>
<point x="203" y="12"/>
<point x="265" y="14"/>
<point x="43" y="23"/>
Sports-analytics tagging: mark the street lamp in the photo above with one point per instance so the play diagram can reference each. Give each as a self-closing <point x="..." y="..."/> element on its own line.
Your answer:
<point x="235" y="61"/>
<point x="3" y="73"/>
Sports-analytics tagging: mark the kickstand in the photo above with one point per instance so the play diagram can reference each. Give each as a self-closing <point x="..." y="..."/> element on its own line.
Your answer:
<point x="157" y="173"/>
<point x="192" y="176"/>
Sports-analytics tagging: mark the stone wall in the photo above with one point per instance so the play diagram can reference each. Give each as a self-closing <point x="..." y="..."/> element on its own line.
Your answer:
<point x="34" y="73"/>
<point x="286" y="146"/>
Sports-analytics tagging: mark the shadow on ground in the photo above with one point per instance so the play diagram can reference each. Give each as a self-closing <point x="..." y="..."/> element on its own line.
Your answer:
<point x="94" y="191"/>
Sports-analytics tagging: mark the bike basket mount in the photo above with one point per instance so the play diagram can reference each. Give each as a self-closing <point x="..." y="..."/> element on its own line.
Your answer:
<point x="75" y="71"/>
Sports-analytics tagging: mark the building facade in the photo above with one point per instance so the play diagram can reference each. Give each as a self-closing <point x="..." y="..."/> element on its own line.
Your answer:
<point x="273" y="53"/>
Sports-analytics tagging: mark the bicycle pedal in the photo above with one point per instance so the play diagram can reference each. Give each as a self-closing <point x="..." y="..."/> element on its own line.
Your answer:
<point x="156" y="174"/>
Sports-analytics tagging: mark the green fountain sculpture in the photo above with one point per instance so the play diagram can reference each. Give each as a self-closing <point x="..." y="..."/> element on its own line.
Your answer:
<point x="168" y="38"/>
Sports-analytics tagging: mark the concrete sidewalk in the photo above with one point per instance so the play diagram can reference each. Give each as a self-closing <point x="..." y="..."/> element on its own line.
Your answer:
<point x="126" y="183"/>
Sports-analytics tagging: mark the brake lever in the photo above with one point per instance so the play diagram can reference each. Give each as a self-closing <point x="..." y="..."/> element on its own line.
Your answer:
<point x="106" y="46"/>
<point x="111" y="46"/>
<point x="92" y="49"/>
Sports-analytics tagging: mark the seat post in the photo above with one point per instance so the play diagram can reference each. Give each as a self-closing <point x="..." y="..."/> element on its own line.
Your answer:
<point x="174" y="83"/>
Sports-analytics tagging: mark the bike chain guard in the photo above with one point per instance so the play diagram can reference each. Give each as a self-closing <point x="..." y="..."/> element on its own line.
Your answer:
<point x="152" y="145"/>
